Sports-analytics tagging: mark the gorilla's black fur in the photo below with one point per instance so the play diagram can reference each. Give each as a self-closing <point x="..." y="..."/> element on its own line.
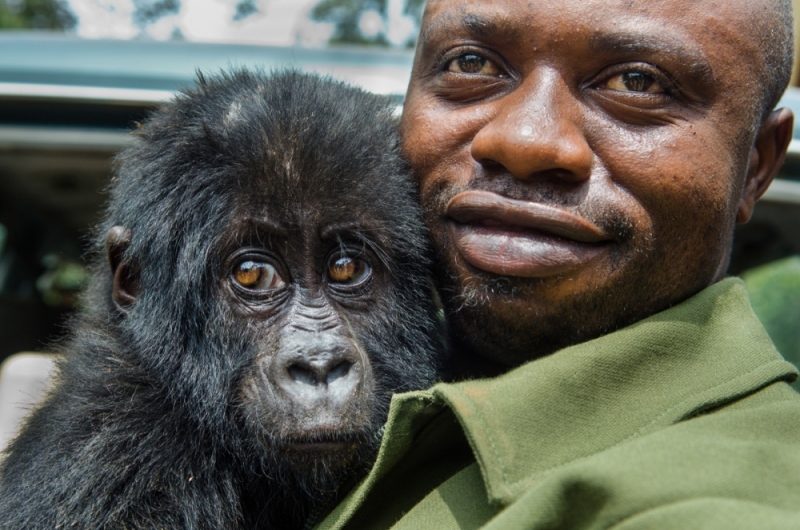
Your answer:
<point x="161" y="414"/>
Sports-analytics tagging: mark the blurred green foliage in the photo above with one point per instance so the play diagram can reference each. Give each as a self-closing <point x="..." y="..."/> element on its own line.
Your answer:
<point x="345" y="15"/>
<point x="36" y="14"/>
<point x="62" y="281"/>
<point x="245" y="8"/>
<point x="775" y="296"/>
<point x="146" y="12"/>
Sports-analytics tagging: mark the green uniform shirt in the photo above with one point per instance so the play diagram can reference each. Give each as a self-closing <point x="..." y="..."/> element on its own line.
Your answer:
<point x="683" y="420"/>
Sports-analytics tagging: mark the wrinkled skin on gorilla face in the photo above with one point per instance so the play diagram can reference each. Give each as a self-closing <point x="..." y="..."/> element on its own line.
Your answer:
<point x="261" y="289"/>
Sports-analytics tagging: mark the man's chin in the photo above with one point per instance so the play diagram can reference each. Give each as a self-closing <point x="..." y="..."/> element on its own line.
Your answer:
<point x="517" y="298"/>
<point x="495" y="335"/>
<point x="496" y="317"/>
<point x="511" y="321"/>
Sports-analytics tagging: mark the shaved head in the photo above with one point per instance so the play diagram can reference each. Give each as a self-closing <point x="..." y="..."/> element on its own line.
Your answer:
<point x="775" y="32"/>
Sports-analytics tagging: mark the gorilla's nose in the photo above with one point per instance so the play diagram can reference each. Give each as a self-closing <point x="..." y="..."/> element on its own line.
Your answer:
<point x="325" y="371"/>
<point x="319" y="370"/>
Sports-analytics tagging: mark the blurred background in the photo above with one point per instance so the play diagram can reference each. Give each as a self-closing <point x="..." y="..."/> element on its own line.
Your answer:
<point x="309" y="23"/>
<point x="76" y="75"/>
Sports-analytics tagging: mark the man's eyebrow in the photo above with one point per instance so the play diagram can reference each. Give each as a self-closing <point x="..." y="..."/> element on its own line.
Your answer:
<point x="474" y="24"/>
<point x="633" y="44"/>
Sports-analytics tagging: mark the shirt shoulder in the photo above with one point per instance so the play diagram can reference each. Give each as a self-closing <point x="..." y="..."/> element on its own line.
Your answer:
<point x="700" y="473"/>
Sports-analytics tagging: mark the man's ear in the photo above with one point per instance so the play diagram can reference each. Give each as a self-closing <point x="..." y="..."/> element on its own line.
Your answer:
<point x="125" y="286"/>
<point x="769" y="150"/>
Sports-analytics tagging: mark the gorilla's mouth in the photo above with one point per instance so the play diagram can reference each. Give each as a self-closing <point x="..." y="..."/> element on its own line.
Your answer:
<point x="324" y="443"/>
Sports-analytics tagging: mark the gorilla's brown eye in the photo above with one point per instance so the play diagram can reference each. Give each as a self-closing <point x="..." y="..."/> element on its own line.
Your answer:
<point x="347" y="270"/>
<point x="257" y="275"/>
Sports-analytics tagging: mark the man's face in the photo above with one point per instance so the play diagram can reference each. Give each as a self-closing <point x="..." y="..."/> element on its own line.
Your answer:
<point x="581" y="162"/>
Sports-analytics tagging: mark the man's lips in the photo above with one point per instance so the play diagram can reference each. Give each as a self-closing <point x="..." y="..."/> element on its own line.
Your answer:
<point x="474" y="207"/>
<point x="521" y="238"/>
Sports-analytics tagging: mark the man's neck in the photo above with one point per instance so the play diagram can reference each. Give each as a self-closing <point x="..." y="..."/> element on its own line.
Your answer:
<point x="466" y="363"/>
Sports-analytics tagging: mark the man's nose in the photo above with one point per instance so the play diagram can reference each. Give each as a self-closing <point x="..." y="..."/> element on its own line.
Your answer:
<point x="537" y="131"/>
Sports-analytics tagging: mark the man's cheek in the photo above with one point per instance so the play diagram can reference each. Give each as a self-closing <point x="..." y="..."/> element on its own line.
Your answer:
<point x="436" y="132"/>
<point x="672" y="169"/>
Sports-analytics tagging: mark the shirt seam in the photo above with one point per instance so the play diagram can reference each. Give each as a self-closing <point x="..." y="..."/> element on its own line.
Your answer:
<point x="492" y="444"/>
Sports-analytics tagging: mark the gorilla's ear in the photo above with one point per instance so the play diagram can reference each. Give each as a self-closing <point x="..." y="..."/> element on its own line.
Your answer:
<point x="766" y="159"/>
<point x="125" y="287"/>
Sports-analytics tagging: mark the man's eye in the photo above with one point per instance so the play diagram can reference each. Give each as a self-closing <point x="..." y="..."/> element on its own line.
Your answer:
<point x="257" y="276"/>
<point x="471" y="63"/>
<point x="347" y="270"/>
<point x="635" y="82"/>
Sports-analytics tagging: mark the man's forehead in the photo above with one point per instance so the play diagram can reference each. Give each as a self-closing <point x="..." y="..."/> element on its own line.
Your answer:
<point x="714" y="40"/>
<point x="512" y="16"/>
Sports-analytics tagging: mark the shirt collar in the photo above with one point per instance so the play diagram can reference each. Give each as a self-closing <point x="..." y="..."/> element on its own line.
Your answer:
<point x="700" y="354"/>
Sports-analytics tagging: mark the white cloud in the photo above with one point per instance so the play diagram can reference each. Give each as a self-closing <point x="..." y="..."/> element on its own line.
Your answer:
<point x="401" y="27"/>
<point x="104" y="19"/>
<point x="370" y="24"/>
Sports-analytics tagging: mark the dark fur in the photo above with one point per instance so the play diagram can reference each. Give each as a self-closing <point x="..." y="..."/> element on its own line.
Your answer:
<point x="145" y="427"/>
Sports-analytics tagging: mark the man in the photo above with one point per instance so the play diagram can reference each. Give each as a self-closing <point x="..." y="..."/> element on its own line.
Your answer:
<point x="583" y="164"/>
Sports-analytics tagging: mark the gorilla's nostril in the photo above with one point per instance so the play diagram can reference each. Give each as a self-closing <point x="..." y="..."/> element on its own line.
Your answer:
<point x="303" y="375"/>
<point x="309" y="374"/>
<point x="338" y="371"/>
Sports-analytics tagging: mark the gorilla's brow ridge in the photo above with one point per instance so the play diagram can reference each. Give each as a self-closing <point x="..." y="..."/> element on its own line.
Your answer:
<point x="260" y="228"/>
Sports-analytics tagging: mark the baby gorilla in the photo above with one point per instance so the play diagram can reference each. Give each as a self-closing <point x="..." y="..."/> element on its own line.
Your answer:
<point x="260" y="290"/>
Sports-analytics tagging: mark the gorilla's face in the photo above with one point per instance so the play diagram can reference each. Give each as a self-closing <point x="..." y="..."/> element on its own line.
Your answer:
<point x="291" y="272"/>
